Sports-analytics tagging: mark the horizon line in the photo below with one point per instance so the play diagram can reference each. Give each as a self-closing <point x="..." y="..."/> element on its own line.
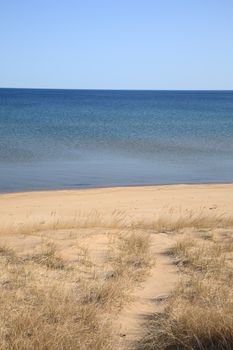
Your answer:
<point x="110" y="89"/>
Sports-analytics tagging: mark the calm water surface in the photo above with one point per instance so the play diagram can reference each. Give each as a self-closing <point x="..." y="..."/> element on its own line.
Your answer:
<point x="85" y="138"/>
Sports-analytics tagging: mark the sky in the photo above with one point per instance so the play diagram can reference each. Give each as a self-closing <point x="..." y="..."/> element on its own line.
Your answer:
<point x="117" y="44"/>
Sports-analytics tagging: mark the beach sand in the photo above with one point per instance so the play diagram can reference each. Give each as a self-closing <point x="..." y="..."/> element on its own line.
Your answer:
<point x="147" y="202"/>
<point x="30" y="221"/>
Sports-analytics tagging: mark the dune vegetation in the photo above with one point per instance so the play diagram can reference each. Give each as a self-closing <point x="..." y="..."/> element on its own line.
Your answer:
<point x="64" y="283"/>
<point x="199" y="311"/>
<point x="49" y="302"/>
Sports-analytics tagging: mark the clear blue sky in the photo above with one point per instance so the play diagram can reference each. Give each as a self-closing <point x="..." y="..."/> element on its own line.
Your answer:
<point x="113" y="44"/>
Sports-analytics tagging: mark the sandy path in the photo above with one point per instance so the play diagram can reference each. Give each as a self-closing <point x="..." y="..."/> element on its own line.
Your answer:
<point x="149" y="296"/>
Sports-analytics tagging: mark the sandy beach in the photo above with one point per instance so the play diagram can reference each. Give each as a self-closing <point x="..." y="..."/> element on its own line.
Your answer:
<point x="147" y="202"/>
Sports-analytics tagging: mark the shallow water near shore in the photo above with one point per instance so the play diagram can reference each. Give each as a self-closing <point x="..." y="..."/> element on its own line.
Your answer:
<point x="86" y="138"/>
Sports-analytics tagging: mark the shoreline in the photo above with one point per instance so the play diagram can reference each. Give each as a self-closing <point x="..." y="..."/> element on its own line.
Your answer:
<point x="115" y="186"/>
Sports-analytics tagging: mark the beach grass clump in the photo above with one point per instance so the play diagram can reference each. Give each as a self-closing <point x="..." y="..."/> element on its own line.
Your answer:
<point x="41" y="310"/>
<point x="9" y="255"/>
<point x="133" y="257"/>
<point x="49" y="257"/>
<point x="108" y="293"/>
<point x="199" y="255"/>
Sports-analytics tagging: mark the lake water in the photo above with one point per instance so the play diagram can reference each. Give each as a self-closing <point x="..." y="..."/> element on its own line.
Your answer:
<point x="86" y="138"/>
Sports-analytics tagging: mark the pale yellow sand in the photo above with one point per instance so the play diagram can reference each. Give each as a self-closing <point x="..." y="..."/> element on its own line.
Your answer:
<point x="136" y="202"/>
<point x="145" y="202"/>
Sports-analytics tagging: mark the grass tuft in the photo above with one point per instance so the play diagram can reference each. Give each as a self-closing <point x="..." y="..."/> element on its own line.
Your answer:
<point x="49" y="257"/>
<point x="133" y="256"/>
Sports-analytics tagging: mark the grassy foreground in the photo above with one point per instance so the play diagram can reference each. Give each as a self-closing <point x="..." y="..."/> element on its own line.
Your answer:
<point x="50" y="302"/>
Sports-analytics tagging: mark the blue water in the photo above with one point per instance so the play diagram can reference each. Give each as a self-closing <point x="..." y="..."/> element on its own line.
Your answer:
<point x="86" y="138"/>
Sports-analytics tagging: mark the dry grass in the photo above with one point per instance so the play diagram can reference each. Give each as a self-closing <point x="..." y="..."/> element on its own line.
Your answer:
<point x="199" y="313"/>
<point x="9" y="255"/>
<point x="43" y="309"/>
<point x="49" y="257"/>
<point x="132" y="258"/>
<point x="198" y="316"/>
<point x="93" y="219"/>
<point x="50" y="318"/>
<point x="169" y="221"/>
<point x="202" y="256"/>
<point x="174" y="222"/>
<point x="47" y="303"/>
